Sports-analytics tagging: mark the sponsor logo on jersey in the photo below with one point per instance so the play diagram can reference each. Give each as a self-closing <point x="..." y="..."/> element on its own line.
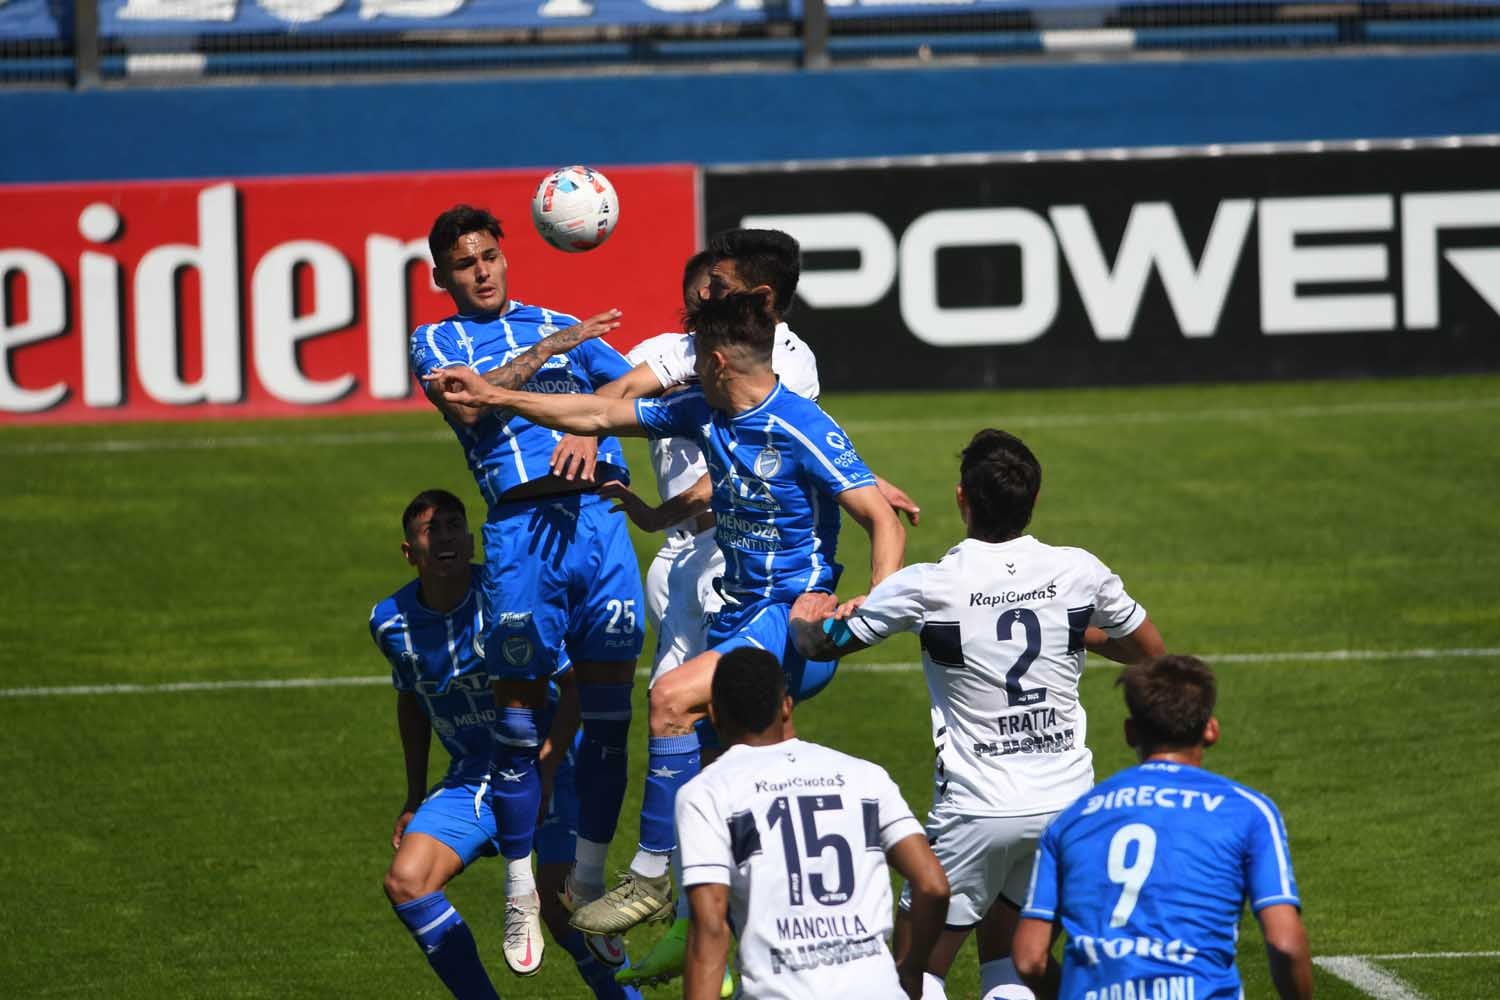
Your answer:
<point x="844" y="459"/>
<point x="979" y="599"/>
<point x="1095" y="950"/>
<point x="745" y="491"/>
<point x="514" y="619"/>
<point x="749" y="536"/>
<point x="546" y="330"/>
<point x="836" y="441"/>
<point x="767" y="463"/>
<point x="1149" y="796"/>
<point x="810" y="956"/>
<point x="813" y="781"/>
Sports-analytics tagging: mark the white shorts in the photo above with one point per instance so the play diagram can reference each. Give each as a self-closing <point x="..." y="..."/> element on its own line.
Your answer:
<point x="680" y="596"/>
<point x="985" y="858"/>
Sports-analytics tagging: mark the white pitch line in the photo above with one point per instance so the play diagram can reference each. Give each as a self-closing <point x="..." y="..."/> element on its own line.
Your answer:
<point x="1402" y="955"/>
<point x="856" y="667"/>
<point x="1044" y="420"/>
<point x="1368" y="979"/>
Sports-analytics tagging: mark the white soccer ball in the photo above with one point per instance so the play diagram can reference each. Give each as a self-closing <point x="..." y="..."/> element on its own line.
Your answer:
<point x="575" y="209"/>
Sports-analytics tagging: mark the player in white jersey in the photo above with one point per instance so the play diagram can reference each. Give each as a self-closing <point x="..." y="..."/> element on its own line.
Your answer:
<point x="792" y="838"/>
<point x="1004" y="620"/>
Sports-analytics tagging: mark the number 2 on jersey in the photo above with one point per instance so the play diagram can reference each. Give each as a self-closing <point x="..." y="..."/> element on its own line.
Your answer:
<point x="1130" y="876"/>
<point x="1031" y="629"/>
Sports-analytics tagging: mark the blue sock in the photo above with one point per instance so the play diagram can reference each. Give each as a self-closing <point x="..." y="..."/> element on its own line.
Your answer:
<point x="672" y="762"/>
<point x="515" y="786"/>
<point x="448" y="944"/>
<point x="601" y="765"/>
<point x="599" y="977"/>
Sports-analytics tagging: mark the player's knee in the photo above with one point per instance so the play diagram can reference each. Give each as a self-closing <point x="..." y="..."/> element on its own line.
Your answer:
<point x="404" y="883"/>
<point x="606" y="712"/>
<point x="670" y="708"/>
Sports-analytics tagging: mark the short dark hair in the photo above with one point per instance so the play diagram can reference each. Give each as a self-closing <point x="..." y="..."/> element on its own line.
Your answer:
<point x="738" y="320"/>
<point x="460" y="219"/>
<point x="748" y="688"/>
<point x="438" y="500"/>
<point x="695" y="266"/>
<point x="762" y="257"/>
<point x="1171" y="698"/>
<point x="1001" y="478"/>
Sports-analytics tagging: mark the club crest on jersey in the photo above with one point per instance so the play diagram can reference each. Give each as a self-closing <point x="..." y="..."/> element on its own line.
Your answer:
<point x="767" y="463"/>
<point x="836" y="441"/>
<point x="517" y="650"/>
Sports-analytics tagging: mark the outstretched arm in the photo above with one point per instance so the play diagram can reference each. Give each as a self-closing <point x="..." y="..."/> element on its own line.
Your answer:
<point x="1142" y="644"/>
<point x="518" y="370"/>
<point x="573" y="414"/>
<point x="887" y="538"/>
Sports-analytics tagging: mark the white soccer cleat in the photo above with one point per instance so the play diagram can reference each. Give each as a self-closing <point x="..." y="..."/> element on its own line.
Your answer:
<point x="609" y="949"/>
<point x="523" y="934"/>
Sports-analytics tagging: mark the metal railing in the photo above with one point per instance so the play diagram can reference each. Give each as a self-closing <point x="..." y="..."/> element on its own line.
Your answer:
<point x="90" y="42"/>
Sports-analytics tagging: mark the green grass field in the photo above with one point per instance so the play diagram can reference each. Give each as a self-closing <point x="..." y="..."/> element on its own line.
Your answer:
<point x="224" y="841"/>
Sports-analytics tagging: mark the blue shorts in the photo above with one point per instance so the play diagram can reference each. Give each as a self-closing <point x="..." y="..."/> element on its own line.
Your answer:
<point x="459" y="815"/>
<point x="764" y="625"/>
<point x="559" y="572"/>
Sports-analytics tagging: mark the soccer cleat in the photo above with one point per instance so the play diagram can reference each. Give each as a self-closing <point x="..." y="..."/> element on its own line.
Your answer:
<point x="635" y="900"/>
<point x="666" y="962"/>
<point x="523" y="934"/>
<point x="609" y="949"/>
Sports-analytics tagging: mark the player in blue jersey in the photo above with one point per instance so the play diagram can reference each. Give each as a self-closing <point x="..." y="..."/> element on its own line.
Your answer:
<point x="781" y="469"/>
<point x="560" y="573"/>
<point x="1149" y="871"/>
<point x="428" y="630"/>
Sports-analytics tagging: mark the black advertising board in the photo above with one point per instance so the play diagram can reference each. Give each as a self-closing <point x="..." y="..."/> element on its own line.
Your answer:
<point x="1095" y="270"/>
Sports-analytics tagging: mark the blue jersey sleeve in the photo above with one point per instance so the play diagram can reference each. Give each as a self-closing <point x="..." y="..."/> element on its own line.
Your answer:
<point x="386" y="623"/>
<point x="680" y="415"/>
<point x="1268" y="862"/>
<point x="436" y="346"/>
<point x="1041" y="897"/>
<point x="826" y="455"/>
<point x="600" y="362"/>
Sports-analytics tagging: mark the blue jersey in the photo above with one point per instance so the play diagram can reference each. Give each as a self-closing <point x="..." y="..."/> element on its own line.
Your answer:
<point x="504" y="454"/>
<point x="776" y="469"/>
<point x="440" y="657"/>
<point x="1148" y="873"/>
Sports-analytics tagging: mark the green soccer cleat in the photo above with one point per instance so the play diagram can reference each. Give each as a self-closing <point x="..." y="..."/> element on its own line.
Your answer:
<point x="666" y="962"/>
<point x="633" y="901"/>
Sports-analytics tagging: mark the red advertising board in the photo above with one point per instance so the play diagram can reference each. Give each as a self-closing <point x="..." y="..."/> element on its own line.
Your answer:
<point x="249" y="298"/>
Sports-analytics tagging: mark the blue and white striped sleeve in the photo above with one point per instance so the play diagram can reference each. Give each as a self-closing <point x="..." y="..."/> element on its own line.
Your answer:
<point x="1268" y="861"/>
<point x="386" y="626"/>
<point x="436" y="346"/>
<point x="679" y="415"/>
<point x="825" y="453"/>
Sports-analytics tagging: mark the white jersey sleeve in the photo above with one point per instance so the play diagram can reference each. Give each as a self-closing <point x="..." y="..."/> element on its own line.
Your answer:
<point x="895" y="605"/>
<point x="704" y="835"/>
<point x="894" y="819"/>
<point x="795" y="363"/>
<point x="670" y="356"/>
<point x="1114" y="610"/>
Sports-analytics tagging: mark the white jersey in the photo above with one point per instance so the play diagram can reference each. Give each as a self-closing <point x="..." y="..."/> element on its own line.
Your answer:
<point x="1001" y="625"/>
<point x="677" y="461"/>
<point x="799" y="833"/>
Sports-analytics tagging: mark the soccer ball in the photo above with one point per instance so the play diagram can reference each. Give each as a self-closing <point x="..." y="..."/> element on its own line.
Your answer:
<point x="575" y="209"/>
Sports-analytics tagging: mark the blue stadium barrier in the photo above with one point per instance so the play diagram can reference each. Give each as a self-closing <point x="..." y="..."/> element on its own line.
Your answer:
<point x="1428" y="32"/>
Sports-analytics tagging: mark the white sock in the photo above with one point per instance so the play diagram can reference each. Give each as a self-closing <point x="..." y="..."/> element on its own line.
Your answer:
<point x="998" y="980"/>
<point x="589" y="867"/>
<point x="518" y="878"/>
<point x="684" y="911"/>
<point x="649" y="865"/>
<point x="932" y="987"/>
